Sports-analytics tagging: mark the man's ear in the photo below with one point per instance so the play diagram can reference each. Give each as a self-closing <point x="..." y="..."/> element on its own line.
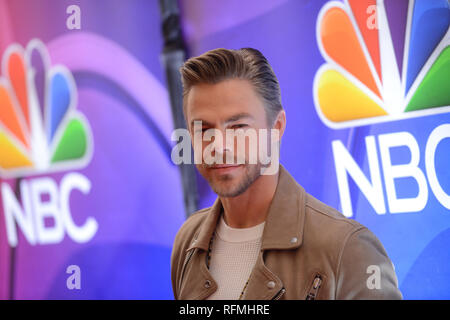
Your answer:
<point x="280" y="122"/>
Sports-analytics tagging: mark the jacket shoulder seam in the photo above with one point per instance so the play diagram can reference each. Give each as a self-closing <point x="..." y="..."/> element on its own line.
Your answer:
<point x="323" y="212"/>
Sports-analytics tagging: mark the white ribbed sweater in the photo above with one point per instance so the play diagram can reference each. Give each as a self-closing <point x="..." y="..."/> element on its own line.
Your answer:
<point x="233" y="255"/>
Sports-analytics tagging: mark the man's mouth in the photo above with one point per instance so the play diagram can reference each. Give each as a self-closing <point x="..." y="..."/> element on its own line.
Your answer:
<point x="224" y="168"/>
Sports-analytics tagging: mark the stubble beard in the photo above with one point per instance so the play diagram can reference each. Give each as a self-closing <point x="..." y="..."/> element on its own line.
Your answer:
<point x="222" y="187"/>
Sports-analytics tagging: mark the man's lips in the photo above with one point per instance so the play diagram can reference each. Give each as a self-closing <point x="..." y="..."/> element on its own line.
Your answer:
<point x="224" y="167"/>
<point x="220" y="166"/>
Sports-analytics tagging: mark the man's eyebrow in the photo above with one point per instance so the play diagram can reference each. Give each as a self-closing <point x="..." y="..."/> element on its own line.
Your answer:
<point x="238" y="116"/>
<point x="233" y="118"/>
<point x="203" y="122"/>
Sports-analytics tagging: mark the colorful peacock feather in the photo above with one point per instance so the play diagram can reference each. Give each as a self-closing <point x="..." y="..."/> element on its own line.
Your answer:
<point x="40" y="129"/>
<point x="397" y="68"/>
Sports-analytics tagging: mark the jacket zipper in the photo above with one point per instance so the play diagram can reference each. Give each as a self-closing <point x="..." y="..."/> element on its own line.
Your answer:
<point x="314" y="289"/>
<point x="279" y="294"/>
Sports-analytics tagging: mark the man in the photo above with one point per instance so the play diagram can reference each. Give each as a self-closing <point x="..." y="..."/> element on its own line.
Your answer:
<point x="264" y="237"/>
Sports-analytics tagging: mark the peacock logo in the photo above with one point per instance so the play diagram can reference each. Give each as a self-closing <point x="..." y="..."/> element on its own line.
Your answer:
<point x="40" y="129"/>
<point x="398" y="68"/>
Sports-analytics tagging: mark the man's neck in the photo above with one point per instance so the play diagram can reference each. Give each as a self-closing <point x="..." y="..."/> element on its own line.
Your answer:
<point x="251" y="207"/>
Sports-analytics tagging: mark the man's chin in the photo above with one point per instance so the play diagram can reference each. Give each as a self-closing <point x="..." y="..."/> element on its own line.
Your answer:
<point x="224" y="186"/>
<point x="232" y="186"/>
<point x="231" y="182"/>
<point x="228" y="193"/>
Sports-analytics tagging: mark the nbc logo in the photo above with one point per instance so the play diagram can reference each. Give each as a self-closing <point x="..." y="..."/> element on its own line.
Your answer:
<point x="397" y="69"/>
<point x="41" y="132"/>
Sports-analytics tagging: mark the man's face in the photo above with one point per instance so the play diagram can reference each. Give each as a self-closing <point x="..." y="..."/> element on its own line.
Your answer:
<point x="230" y="104"/>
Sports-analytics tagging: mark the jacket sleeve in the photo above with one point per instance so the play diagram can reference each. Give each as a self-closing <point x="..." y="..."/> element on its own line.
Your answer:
<point x="364" y="269"/>
<point x="175" y="265"/>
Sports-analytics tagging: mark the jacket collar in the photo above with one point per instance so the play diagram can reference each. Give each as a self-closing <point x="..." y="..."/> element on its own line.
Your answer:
<point x="284" y="223"/>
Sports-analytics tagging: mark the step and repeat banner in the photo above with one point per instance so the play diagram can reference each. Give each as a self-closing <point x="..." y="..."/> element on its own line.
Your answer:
<point x="87" y="183"/>
<point x="366" y="89"/>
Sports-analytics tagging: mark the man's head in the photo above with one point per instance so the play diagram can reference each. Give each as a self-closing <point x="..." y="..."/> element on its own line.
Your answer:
<point x="231" y="89"/>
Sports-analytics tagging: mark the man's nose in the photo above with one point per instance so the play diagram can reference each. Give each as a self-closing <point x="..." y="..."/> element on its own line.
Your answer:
<point x="218" y="141"/>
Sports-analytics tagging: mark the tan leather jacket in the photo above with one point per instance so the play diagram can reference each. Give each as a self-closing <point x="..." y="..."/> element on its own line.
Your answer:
<point x="309" y="251"/>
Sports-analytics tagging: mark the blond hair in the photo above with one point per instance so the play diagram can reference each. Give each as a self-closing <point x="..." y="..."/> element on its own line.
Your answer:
<point x="222" y="64"/>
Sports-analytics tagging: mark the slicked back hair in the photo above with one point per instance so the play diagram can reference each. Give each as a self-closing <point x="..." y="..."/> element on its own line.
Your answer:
<point x="223" y="64"/>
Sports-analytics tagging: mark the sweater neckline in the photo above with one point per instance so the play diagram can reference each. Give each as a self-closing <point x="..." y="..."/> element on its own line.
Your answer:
<point x="229" y="234"/>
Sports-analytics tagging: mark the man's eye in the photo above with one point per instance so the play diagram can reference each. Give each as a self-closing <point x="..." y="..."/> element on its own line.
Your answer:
<point x="238" y="126"/>
<point x="202" y="130"/>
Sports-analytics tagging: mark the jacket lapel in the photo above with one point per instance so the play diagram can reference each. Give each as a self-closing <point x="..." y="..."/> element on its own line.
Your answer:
<point x="286" y="216"/>
<point x="283" y="230"/>
<point x="207" y="228"/>
<point x="198" y="282"/>
<point x="263" y="283"/>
